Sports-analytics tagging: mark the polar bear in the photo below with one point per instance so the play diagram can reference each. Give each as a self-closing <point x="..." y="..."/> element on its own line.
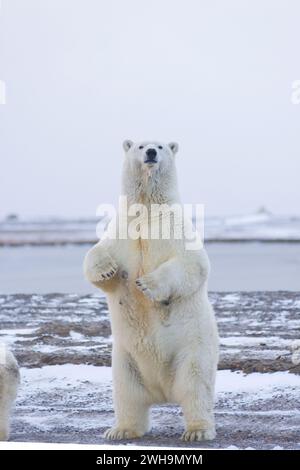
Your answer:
<point x="165" y="346"/>
<point x="9" y="381"/>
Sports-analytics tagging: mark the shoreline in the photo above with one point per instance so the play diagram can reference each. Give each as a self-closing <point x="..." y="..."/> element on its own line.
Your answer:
<point x="40" y="243"/>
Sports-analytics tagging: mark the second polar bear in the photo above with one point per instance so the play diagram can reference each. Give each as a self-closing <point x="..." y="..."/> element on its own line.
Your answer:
<point x="9" y="381"/>
<point x="165" y="345"/>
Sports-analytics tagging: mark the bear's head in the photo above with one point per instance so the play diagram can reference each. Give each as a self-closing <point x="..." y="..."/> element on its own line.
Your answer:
<point x="149" y="169"/>
<point x="147" y="155"/>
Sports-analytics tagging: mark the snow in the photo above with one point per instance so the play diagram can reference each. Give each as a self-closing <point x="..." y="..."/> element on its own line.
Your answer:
<point x="17" y="331"/>
<point x="237" y="382"/>
<point x="55" y="376"/>
<point x="233" y="447"/>
<point x="227" y="381"/>
<point x="250" y="341"/>
<point x="77" y="336"/>
<point x="231" y="298"/>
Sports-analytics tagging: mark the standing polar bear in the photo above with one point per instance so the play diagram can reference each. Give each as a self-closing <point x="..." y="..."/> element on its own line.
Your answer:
<point x="165" y="335"/>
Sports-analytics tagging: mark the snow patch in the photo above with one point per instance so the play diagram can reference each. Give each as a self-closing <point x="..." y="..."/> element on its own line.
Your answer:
<point x="296" y="352"/>
<point x="237" y="382"/>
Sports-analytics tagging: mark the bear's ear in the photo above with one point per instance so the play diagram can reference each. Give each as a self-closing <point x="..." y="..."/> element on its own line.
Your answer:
<point x="174" y="147"/>
<point x="127" y="144"/>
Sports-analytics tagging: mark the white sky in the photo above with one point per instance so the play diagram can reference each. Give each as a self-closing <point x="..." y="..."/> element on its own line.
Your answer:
<point x="214" y="75"/>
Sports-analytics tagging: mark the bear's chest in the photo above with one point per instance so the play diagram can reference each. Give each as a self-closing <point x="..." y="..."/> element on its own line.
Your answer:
<point x="138" y="257"/>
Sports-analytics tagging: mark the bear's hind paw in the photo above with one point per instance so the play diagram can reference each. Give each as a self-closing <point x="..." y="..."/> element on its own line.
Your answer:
<point x="199" y="435"/>
<point x="118" y="434"/>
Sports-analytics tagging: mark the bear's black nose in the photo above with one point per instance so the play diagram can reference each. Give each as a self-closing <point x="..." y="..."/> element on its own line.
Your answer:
<point x="151" y="155"/>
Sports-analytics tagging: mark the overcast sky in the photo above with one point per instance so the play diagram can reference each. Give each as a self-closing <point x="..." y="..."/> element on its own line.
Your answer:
<point x="214" y="75"/>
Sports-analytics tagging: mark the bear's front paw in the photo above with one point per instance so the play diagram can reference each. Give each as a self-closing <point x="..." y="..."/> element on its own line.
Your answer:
<point x="199" y="435"/>
<point x="117" y="434"/>
<point x="151" y="288"/>
<point x="103" y="270"/>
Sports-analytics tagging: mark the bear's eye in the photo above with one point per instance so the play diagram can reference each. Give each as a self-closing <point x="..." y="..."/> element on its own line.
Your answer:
<point x="141" y="147"/>
<point x="160" y="147"/>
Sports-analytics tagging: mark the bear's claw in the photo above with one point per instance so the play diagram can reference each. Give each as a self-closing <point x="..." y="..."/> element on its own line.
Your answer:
<point x="148" y="287"/>
<point x="103" y="273"/>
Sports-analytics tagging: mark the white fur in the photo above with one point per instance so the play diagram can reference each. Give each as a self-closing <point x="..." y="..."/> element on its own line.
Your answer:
<point x="165" y="336"/>
<point x="9" y="380"/>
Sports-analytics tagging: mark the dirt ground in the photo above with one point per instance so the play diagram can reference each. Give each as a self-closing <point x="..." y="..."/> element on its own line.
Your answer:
<point x="63" y="345"/>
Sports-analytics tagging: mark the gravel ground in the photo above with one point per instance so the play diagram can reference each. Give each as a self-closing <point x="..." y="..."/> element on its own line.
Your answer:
<point x="63" y="345"/>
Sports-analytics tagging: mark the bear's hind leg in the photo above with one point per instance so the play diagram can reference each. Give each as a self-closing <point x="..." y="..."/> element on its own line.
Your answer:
<point x="194" y="390"/>
<point x="131" y="401"/>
